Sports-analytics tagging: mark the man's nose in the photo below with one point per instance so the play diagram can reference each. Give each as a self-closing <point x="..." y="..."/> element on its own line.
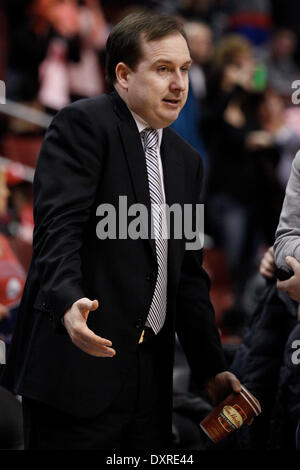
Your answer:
<point x="178" y="82"/>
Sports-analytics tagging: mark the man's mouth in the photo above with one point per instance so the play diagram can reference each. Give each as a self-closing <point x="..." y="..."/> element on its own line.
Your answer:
<point x="170" y="100"/>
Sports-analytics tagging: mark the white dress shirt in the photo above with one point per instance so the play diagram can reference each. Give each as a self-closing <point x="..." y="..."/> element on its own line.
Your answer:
<point x="141" y="125"/>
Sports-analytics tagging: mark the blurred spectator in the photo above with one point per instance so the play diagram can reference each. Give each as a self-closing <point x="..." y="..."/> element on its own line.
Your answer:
<point x="279" y="60"/>
<point x="188" y="124"/>
<point x="12" y="275"/>
<point x="273" y="117"/>
<point x="74" y="79"/>
<point x="55" y="54"/>
<point x="201" y="48"/>
<point x="86" y="77"/>
<point x="22" y="211"/>
<point x="286" y="15"/>
<point x="212" y="12"/>
<point x="29" y="44"/>
<point x="243" y="158"/>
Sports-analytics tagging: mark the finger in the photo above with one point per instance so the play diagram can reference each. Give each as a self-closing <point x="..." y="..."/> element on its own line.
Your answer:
<point x="95" y="346"/>
<point x="266" y="270"/>
<point x="92" y="351"/>
<point x="267" y="267"/>
<point x="88" y="344"/>
<point x="269" y="259"/>
<point x="267" y="274"/>
<point x="85" y="304"/>
<point x="235" y="383"/>
<point x="97" y="350"/>
<point x="90" y="337"/>
<point x="292" y="262"/>
<point x="284" y="285"/>
<point x="271" y="262"/>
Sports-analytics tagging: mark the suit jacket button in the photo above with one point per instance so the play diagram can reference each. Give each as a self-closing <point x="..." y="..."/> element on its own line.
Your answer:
<point x="139" y="323"/>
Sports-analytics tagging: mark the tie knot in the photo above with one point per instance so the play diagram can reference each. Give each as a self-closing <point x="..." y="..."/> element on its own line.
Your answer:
<point x="150" y="138"/>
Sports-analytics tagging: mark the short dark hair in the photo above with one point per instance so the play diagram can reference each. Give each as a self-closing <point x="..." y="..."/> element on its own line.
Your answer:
<point x="124" y="41"/>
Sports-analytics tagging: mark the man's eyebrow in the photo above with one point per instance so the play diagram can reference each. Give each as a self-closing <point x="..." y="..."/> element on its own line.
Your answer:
<point x="166" y="61"/>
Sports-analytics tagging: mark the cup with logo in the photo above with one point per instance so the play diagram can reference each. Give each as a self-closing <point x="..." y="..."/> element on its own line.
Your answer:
<point x="230" y="415"/>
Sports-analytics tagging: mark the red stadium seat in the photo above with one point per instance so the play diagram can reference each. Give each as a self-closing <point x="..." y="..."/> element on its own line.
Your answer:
<point x="23" y="149"/>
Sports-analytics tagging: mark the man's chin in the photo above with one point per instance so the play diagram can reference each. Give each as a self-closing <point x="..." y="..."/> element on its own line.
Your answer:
<point x="170" y="118"/>
<point x="163" y="120"/>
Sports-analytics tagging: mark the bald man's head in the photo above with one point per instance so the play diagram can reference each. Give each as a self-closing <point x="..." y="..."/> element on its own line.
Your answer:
<point x="199" y="36"/>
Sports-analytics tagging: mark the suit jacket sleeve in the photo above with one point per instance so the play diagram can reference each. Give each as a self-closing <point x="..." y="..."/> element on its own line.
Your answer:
<point x="65" y="185"/>
<point x="195" y="319"/>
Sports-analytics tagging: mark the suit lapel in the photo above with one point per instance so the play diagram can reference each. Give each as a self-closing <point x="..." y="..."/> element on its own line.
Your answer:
<point x="135" y="157"/>
<point x="173" y="164"/>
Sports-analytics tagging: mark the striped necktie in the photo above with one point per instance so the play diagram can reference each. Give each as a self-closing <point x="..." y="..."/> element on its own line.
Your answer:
<point x="157" y="312"/>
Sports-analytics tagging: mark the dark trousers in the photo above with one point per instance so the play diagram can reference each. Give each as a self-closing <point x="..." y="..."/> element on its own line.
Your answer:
<point x="134" y="421"/>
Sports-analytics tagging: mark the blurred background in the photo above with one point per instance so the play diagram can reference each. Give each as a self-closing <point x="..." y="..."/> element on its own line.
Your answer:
<point x="241" y="114"/>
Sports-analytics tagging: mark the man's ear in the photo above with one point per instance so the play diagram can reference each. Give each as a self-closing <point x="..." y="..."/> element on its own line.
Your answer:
<point x="122" y="73"/>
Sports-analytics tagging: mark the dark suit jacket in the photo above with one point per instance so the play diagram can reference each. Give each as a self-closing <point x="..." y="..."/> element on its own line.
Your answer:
<point x="92" y="154"/>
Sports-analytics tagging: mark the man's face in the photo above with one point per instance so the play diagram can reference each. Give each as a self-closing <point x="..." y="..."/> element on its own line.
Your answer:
<point x="201" y="44"/>
<point x="157" y="89"/>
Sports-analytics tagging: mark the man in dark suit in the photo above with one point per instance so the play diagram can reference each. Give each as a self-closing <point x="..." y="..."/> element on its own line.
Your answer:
<point x="93" y="349"/>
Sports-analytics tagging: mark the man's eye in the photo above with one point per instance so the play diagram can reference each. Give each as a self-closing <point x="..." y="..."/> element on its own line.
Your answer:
<point x="162" y="68"/>
<point x="185" y="69"/>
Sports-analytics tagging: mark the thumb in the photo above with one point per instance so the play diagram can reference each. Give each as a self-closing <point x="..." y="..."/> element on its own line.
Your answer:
<point x="86" y="304"/>
<point x="95" y="305"/>
<point x="292" y="262"/>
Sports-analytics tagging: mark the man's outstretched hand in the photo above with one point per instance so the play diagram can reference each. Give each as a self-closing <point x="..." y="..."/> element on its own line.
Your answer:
<point x="85" y="339"/>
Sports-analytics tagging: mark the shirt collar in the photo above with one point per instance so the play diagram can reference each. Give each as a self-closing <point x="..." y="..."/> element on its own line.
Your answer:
<point x="141" y="125"/>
